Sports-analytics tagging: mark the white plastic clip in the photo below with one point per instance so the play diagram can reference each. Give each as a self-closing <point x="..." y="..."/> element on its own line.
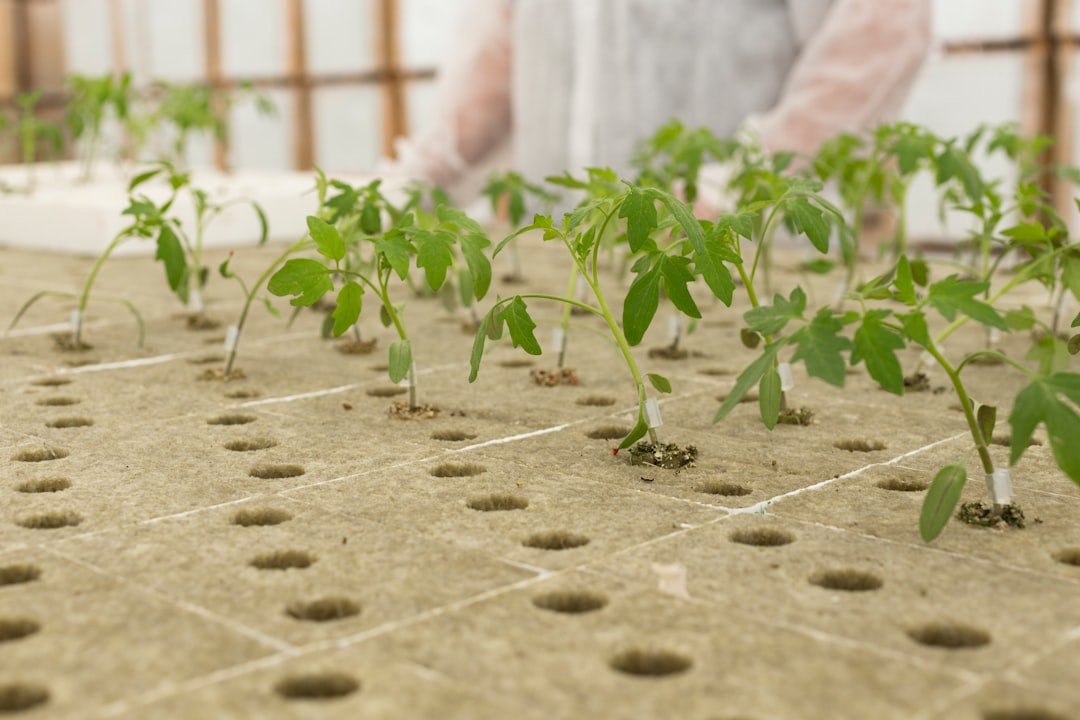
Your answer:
<point x="232" y="334"/>
<point x="999" y="485"/>
<point x="196" y="300"/>
<point x="652" y="413"/>
<point x="581" y="289"/>
<point x="787" y="381"/>
<point x="994" y="336"/>
<point x="927" y="359"/>
<point x="76" y="319"/>
<point x="558" y="339"/>
<point x="674" y="327"/>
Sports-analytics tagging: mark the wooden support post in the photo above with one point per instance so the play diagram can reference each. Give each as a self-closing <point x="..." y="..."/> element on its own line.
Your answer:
<point x="388" y="63"/>
<point x="296" y="68"/>
<point x="212" y="33"/>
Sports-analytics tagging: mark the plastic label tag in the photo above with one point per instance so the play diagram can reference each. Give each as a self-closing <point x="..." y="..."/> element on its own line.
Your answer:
<point x="652" y="413"/>
<point x="999" y="485"/>
<point x="558" y="339"/>
<point x="76" y="319"/>
<point x="581" y="289"/>
<point x="196" y="300"/>
<point x="994" y="336"/>
<point x="787" y="382"/>
<point x="674" y="330"/>
<point x="232" y="334"/>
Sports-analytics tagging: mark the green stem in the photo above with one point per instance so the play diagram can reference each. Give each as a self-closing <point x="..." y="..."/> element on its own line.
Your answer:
<point x="384" y="297"/>
<point x="84" y="298"/>
<point x="966" y="404"/>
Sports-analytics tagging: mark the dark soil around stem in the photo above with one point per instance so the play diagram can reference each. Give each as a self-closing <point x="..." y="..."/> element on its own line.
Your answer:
<point x="66" y="343"/>
<point x="513" y="279"/>
<point x="796" y="416"/>
<point x="670" y="352"/>
<point x="664" y="455"/>
<point x="201" y="321"/>
<point x="983" y="515"/>
<point x="917" y="382"/>
<point x="214" y="374"/>
<point x="423" y="411"/>
<point x="551" y="378"/>
<point x="356" y="347"/>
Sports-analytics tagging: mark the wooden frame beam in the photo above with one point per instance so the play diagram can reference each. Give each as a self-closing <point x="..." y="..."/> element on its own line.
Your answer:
<point x="296" y="66"/>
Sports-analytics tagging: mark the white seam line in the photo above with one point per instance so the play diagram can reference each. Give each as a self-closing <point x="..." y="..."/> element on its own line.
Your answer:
<point x="121" y="364"/>
<point x="760" y="507"/>
<point x="514" y="438"/>
<point x="300" y="396"/>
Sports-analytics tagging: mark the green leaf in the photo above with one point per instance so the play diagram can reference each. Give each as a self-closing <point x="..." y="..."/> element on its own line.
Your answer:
<point x="1039" y="403"/>
<point x="661" y="383"/>
<point x="308" y="279"/>
<point x="327" y="239"/>
<point x="904" y="284"/>
<point x="940" y="501"/>
<point x="920" y="271"/>
<point x="639" y="306"/>
<point x="264" y="224"/>
<point x="675" y="276"/>
<point x="171" y="252"/>
<point x="1074" y="345"/>
<point x="876" y="345"/>
<point x="516" y="316"/>
<point x="396" y="250"/>
<point x="809" y="221"/>
<point x="349" y="303"/>
<point x="640" y="214"/>
<point x="749" y="338"/>
<point x="747" y="379"/>
<point x="478" y="346"/>
<point x="771" y="319"/>
<point x="384" y="316"/>
<point x="821" y="348"/>
<point x="400" y="360"/>
<point x="370" y="219"/>
<point x="1051" y="354"/>
<point x="915" y="327"/>
<point x="769" y="394"/>
<point x="142" y="178"/>
<point x="636" y="433"/>
<point x="434" y="255"/>
<point x="472" y="247"/>
<point x="986" y="418"/>
<point x="224" y="271"/>
<point x="1022" y="319"/>
<point x="709" y="252"/>
<point x="953" y="295"/>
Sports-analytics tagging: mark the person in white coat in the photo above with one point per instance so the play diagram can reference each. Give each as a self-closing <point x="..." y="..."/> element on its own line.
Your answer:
<point x="577" y="83"/>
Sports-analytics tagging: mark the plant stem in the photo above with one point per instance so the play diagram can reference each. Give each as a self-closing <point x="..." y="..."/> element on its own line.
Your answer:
<point x="969" y="410"/>
<point x="84" y="298"/>
<point x="384" y="297"/>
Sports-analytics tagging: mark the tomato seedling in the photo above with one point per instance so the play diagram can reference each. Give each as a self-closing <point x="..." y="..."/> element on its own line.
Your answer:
<point x="91" y="101"/>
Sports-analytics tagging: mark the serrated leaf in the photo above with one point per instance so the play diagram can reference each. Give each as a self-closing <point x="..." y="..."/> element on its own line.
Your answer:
<point x="809" y="221"/>
<point x="821" y="348"/>
<point x="396" y="250"/>
<point x="171" y="252"/>
<point x="675" y="276"/>
<point x="640" y="214"/>
<point x="479" y="341"/>
<point x="915" y="327"/>
<point x="661" y="383"/>
<point x="520" y="325"/>
<point x="747" y="379"/>
<point x="986" y="418"/>
<point x="876" y="345"/>
<point x="328" y="240"/>
<point x="953" y="295"/>
<point x="771" y="319"/>
<point x="920" y="271"/>
<point x="1050" y="353"/>
<point x="1022" y="319"/>
<point x="770" y="392"/>
<point x="400" y="360"/>
<point x="349" y="303"/>
<point x="1039" y="403"/>
<point x="749" y="338"/>
<point x="472" y="247"/>
<point x="904" y="284"/>
<point x="435" y="255"/>
<point x="307" y="279"/>
<point x="941" y="498"/>
<point x="709" y="252"/>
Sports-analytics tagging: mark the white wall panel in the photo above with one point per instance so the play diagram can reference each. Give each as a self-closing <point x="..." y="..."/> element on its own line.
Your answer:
<point x="420" y="101"/>
<point x="259" y="142"/>
<point x="87" y="36"/>
<point x="253" y="42"/>
<point x="428" y="29"/>
<point x="960" y="20"/>
<point x="340" y="36"/>
<point x="348" y="128"/>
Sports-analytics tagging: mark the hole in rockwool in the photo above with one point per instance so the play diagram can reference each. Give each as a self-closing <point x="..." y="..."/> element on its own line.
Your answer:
<point x="570" y="601"/>
<point x="452" y="470"/>
<point x="596" y="401"/>
<point x="847" y="580"/>
<point x="1024" y="713"/>
<point x="555" y="540"/>
<point x="903" y="484"/>
<point x="50" y="520"/>
<point x="17" y="628"/>
<point x="650" y="663"/>
<point x="496" y="503"/>
<point x="762" y="537"/>
<point x="52" y="382"/>
<point x="70" y="422"/>
<point x="322" y="686"/>
<point x="953" y="636"/>
<point x="608" y="432"/>
<point x="727" y="489"/>
<point x="859" y="445"/>
<point x="1068" y="556"/>
<point x="18" y="574"/>
<point x="40" y="455"/>
<point x="44" y="485"/>
<point x="259" y="517"/>
<point x="323" y="609"/>
<point x="231" y="419"/>
<point x="16" y="697"/>
<point x="452" y="435"/>
<point x="283" y="560"/>
<point x="516" y="363"/>
<point x="267" y="471"/>
<point x="58" y="401"/>
<point x="250" y="444"/>
<point x="207" y="360"/>
<point x="243" y="394"/>
<point x="385" y="392"/>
